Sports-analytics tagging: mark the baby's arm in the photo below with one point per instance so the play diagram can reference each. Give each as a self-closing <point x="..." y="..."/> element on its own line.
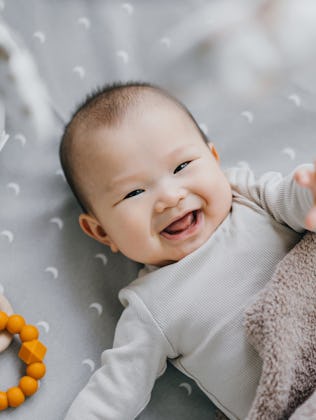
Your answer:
<point x="307" y="179"/>
<point x="121" y="388"/>
<point x="281" y="197"/>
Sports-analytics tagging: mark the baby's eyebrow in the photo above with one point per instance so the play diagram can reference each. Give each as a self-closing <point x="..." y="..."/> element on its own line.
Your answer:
<point x="135" y="176"/>
<point x="113" y="185"/>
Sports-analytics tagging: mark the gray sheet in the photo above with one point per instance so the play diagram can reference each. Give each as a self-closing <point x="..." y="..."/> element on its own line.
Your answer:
<point x="55" y="276"/>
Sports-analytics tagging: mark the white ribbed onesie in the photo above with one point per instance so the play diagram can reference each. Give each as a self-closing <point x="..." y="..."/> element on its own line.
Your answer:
<point x="191" y="311"/>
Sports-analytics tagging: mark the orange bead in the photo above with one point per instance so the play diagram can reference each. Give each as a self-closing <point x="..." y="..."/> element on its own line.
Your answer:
<point x="3" y="320"/>
<point x="15" y="396"/>
<point x="28" y="385"/>
<point x="32" y="351"/>
<point x="3" y="400"/>
<point x="15" y="324"/>
<point x="28" y="333"/>
<point x="36" y="370"/>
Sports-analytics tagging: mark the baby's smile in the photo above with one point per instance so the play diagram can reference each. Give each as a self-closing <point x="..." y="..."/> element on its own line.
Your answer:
<point x="184" y="226"/>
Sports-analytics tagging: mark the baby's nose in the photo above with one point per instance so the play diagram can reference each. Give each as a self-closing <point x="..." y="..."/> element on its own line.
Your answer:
<point x="169" y="197"/>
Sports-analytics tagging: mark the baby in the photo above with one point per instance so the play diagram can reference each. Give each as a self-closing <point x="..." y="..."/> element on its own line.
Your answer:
<point x="150" y="186"/>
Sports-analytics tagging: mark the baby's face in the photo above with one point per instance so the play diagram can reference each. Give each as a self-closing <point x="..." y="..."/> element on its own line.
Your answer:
<point x="157" y="190"/>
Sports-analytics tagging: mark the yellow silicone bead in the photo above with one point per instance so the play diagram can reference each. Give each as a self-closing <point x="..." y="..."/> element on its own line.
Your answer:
<point x="32" y="352"/>
<point x="3" y="400"/>
<point x="36" y="370"/>
<point x="28" y="385"/>
<point x="15" y="324"/>
<point x="15" y="396"/>
<point x="3" y="320"/>
<point x="28" y="333"/>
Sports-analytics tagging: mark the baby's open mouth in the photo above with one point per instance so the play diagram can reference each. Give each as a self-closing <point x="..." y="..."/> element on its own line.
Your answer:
<point x="181" y="224"/>
<point x="182" y="227"/>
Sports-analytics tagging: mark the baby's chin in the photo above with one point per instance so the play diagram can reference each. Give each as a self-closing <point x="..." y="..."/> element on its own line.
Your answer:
<point x="180" y="253"/>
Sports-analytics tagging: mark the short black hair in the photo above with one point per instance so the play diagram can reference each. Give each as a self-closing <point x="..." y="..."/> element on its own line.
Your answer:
<point x="104" y="106"/>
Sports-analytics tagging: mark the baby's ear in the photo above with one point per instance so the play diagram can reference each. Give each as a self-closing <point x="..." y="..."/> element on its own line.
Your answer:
<point x="92" y="228"/>
<point x="214" y="151"/>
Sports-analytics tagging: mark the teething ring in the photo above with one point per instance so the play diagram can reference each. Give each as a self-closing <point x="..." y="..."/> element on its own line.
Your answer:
<point x="5" y="337"/>
<point x="32" y="353"/>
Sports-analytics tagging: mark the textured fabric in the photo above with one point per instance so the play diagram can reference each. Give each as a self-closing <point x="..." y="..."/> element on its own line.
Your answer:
<point x="123" y="385"/>
<point x="192" y="311"/>
<point x="58" y="278"/>
<point x="281" y="326"/>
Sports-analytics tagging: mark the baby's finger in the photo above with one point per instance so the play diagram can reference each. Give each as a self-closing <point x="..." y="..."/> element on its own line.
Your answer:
<point x="304" y="177"/>
<point x="310" y="221"/>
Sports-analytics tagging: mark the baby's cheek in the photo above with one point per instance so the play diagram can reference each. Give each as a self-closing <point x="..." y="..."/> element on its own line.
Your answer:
<point x="130" y="227"/>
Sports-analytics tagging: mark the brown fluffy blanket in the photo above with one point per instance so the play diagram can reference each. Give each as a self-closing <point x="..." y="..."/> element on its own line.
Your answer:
<point x="281" y="325"/>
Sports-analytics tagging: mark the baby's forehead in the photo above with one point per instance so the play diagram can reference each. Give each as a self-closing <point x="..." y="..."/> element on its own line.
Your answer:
<point x="101" y="140"/>
<point x="110" y="152"/>
<point x="136" y="113"/>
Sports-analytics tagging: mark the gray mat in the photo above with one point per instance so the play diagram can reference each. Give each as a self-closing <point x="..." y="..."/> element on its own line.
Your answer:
<point x="55" y="276"/>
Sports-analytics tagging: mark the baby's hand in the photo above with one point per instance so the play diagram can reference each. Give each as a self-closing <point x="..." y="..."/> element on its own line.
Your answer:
<point x="307" y="179"/>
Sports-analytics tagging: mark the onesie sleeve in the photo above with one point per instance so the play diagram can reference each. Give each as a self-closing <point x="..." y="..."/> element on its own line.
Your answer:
<point x="281" y="197"/>
<point x="122" y="387"/>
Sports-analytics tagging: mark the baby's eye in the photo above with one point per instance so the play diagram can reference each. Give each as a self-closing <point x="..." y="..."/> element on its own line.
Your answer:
<point x="133" y="193"/>
<point x="181" y="166"/>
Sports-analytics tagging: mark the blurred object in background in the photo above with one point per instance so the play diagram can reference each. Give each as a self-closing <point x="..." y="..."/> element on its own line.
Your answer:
<point x="19" y="77"/>
<point x="3" y="135"/>
<point x="250" y="45"/>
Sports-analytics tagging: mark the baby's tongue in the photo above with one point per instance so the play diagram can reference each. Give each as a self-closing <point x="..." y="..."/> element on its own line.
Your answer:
<point x="180" y="224"/>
